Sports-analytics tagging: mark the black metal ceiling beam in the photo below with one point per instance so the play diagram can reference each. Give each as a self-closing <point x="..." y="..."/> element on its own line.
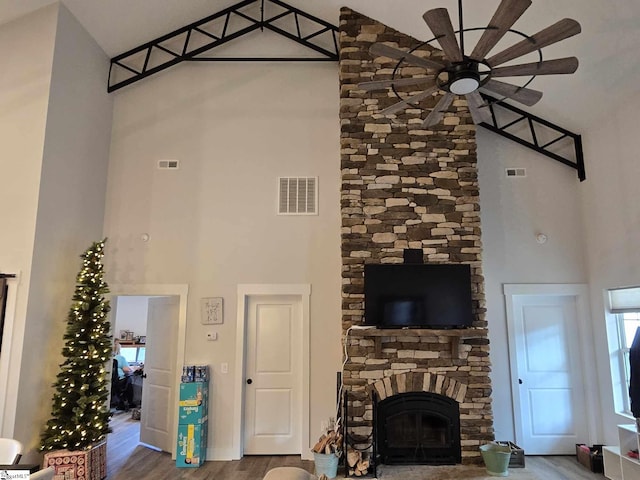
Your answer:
<point x="534" y="125"/>
<point x="134" y="67"/>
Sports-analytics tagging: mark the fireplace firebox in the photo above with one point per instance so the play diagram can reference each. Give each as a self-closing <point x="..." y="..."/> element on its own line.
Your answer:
<point x="418" y="428"/>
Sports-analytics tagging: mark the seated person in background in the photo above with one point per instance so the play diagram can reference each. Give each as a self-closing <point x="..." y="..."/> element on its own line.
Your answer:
<point x="125" y="386"/>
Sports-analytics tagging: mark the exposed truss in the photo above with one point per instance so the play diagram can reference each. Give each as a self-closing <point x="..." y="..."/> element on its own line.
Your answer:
<point x="191" y="42"/>
<point x="536" y="133"/>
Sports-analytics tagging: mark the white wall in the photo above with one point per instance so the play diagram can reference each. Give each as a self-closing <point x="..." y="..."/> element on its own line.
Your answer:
<point x="212" y="224"/>
<point x="26" y="59"/>
<point x="70" y="211"/>
<point x="513" y="211"/>
<point x="130" y="314"/>
<point x="612" y="217"/>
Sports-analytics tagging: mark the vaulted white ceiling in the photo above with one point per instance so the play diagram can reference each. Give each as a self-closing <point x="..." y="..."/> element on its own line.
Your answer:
<point x="607" y="47"/>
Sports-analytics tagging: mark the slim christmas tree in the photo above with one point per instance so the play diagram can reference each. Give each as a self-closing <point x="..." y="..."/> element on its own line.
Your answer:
<point x="80" y="414"/>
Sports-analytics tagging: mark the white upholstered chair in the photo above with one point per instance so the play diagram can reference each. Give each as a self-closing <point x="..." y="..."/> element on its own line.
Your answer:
<point x="44" y="474"/>
<point x="287" y="473"/>
<point x="10" y="451"/>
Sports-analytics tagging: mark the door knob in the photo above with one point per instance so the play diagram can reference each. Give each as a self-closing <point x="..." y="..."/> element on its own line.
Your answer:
<point x="249" y="381"/>
<point x="144" y="375"/>
<point x="520" y="381"/>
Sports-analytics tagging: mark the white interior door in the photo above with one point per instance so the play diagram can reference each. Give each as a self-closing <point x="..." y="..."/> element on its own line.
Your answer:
<point x="272" y="414"/>
<point x="549" y="396"/>
<point x="158" y="396"/>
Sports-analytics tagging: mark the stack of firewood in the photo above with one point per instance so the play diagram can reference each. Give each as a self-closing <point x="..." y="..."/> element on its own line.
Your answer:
<point x="330" y="442"/>
<point x="357" y="465"/>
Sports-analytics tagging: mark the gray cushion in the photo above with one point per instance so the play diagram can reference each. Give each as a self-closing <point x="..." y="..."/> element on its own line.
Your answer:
<point x="289" y="473"/>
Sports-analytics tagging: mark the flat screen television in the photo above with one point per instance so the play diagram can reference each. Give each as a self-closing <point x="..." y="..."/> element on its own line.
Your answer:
<point x="418" y="295"/>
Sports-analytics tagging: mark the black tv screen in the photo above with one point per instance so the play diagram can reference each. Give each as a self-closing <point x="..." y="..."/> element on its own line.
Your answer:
<point x="418" y="295"/>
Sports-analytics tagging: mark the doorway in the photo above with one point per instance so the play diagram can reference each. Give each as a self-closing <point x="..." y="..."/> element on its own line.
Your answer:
<point x="272" y="345"/>
<point x="158" y="337"/>
<point x="11" y="339"/>
<point x="549" y="357"/>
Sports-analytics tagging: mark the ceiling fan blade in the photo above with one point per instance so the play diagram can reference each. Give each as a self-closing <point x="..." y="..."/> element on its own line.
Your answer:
<point x="398" y="82"/>
<point x="413" y="99"/>
<point x="391" y="52"/>
<point x="508" y="12"/>
<point x="438" y="111"/>
<point x="565" y="28"/>
<point x="479" y="109"/>
<point x="526" y="96"/>
<point x="439" y="22"/>
<point x="548" y="67"/>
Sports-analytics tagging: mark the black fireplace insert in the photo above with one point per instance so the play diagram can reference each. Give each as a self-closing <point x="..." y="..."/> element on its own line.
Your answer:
<point x="418" y="428"/>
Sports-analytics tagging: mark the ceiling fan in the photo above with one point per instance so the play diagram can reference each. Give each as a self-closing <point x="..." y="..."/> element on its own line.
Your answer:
<point x="468" y="75"/>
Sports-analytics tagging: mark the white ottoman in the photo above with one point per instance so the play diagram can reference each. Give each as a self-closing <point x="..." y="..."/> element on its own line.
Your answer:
<point x="289" y="473"/>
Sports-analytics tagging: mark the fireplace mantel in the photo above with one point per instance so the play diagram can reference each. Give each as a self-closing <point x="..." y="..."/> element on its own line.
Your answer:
<point x="455" y="335"/>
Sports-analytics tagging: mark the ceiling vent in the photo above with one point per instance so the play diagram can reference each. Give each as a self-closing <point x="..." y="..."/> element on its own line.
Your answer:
<point x="168" y="164"/>
<point x="297" y="196"/>
<point x="516" y="172"/>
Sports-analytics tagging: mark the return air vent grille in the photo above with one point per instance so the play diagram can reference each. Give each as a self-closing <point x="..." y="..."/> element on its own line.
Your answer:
<point x="516" y="172"/>
<point x="168" y="164"/>
<point x="297" y="196"/>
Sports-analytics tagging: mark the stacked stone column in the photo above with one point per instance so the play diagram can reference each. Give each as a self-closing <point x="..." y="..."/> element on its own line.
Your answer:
<point x="405" y="186"/>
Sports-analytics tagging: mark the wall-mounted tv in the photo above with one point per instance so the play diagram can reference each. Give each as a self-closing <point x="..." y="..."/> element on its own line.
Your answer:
<point x="418" y="295"/>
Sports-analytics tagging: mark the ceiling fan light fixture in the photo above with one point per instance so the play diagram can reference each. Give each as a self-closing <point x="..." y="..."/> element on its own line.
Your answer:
<point x="464" y="85"/>
<point x="466" y="75"/>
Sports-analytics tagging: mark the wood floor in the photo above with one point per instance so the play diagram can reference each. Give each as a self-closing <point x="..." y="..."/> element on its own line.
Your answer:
<point x="127" y="460"/>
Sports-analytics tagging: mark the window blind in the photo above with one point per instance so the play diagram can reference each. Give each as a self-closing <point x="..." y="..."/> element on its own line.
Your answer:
<point x="624" y="299"/>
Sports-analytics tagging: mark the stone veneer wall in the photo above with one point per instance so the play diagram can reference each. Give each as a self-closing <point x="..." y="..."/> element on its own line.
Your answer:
<point x="407" y="187"/>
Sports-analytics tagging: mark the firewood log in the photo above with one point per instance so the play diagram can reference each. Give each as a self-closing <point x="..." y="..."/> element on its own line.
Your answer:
<point x="322" y="443"/>
<point x="363" y="465"/>
<point x="353" y="457"/>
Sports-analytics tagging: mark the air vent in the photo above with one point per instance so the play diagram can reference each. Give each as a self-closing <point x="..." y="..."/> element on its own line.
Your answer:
<point x="168" y="164"/>
<point x="516" y="172"/>
<point x="297" y="196"/>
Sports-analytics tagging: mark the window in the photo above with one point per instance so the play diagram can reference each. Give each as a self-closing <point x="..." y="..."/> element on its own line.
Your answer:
<point x="133" y="354"/>
<point x="624" y="305"/>
<point x="628" y="323"/>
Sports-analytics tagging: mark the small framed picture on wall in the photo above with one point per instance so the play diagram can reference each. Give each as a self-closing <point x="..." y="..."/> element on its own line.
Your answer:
<point x="211" y="311"/>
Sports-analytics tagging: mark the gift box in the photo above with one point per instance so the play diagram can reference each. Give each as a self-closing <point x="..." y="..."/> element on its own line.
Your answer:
<point x="88" y="464"/>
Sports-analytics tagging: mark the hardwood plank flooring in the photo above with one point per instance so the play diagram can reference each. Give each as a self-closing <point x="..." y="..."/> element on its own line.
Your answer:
<point x="559" y="467"/>
<point x="127" y="459"/>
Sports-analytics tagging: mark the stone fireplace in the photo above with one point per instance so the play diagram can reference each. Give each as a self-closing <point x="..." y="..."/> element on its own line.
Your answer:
<point x="418" y="428"/>
<point x="404" y="187"/>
